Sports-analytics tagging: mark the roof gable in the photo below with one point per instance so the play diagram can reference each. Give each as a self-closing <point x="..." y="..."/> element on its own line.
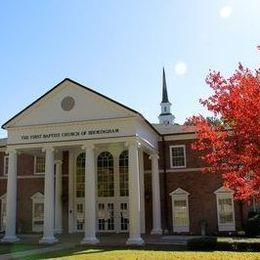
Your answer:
<point x="179" y="191"/>
<point x="88" y="105"/>
<point x="223" y="190"/>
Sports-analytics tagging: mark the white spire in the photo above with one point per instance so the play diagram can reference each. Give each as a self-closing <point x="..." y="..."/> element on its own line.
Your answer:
<point x="166" y="116"/>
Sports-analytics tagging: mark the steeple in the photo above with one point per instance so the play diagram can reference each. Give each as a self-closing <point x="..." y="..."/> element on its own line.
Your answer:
<point x="164" y="89"/>
<point x="166" y="116"/>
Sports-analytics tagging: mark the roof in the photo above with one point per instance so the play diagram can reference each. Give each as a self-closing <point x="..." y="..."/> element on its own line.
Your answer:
<point x="5" y="125"/>
<point x="174" y="129"/>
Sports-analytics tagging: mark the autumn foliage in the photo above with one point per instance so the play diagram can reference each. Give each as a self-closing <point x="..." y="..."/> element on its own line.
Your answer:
<point x="231" y="146"/>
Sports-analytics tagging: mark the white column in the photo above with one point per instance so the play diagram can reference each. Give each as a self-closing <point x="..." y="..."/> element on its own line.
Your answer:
<point x="134" y="197"/>
<point x="157" y="230"/>
<point x="48" y="226"/>
<point x="10" y="232"/>
<point x="90" y="197"/>
<point x="58" y="197"/>
<point x="142" y="199"/>
<point x="71" y="193"/>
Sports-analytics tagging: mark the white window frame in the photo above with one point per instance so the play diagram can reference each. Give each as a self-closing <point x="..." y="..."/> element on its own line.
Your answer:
<point x="34" y="170"/>
<point x="184" y="152"/>
<point x="6" y="158"/>
<point x="225" y="193"/>
<point x="180" y="194"/>
<point x="37" y="198"/>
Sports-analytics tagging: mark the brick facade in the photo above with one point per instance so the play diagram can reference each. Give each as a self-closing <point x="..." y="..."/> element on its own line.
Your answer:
<point x="200" y="186"/>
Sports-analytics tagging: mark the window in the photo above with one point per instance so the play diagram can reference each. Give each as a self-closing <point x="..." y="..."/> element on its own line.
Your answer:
<point x="178" y="156"/>
<point x="180" y="210"/>
<point x="225" y="209"/>
<point x="6" y="165"/>
<point x="80" y="216"/>
<point x="3" y="213"/>
<point x="124" y="216"/>
<point x="123" y="173"/>
<point x="37" y="212"/>
<point x="39" y="165"/>
<point x="105" y="175"/>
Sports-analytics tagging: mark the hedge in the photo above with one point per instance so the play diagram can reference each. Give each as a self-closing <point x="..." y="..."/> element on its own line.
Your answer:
<point x="224" y="244"/>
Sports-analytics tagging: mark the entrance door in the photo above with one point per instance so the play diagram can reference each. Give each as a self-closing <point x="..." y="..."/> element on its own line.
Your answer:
<point x="80" y="209"/>
<point x="124" y="216"/>
<point x="112" y="193"/>
<point x="112" y="216"/>
<point x="106" y="216"/>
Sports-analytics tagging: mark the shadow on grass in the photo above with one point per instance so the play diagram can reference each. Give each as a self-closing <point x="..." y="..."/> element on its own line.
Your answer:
<point x="8" y="248"/>
<point x="92" y="250"/>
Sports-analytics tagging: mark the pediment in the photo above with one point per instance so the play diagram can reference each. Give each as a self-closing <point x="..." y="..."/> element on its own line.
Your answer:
<point x="179" y="191"/>
<point x="223" y="190"/>
<point x="69" y="101"/>
<point x="37" y="196"/>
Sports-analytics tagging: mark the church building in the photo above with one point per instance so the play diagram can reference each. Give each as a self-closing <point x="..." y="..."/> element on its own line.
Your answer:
<point x="78" y="161"/>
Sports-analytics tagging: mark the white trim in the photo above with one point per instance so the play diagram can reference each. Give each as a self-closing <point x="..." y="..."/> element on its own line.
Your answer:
<point x="225" y="193"/>
<point x="76" y="123"/>
<point x="5" y="164"/>
<point x="75" y="143"/>
<point x="188" y="170"/>
<point x="29" y="177"/>
<point x="184" y="170"/>
<point x="184" y="152"/>
<point x="180" y="194"/>
<point x="175" y="137"/>
<point x="3" y="147"/>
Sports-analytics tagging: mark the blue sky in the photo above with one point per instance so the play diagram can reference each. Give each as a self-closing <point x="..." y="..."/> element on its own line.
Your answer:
<point x="118" y="48"/>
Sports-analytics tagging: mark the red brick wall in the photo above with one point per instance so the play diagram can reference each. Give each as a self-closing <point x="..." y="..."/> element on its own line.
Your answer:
<point x="192" y="157"/>
<point x="200" y="186"/>
<point x="25" y="165"/>
<point x="202" y="200"/>
<point x="27" y="187"/>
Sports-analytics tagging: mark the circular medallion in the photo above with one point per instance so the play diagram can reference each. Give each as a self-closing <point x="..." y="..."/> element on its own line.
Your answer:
<point x="67" y="103"/>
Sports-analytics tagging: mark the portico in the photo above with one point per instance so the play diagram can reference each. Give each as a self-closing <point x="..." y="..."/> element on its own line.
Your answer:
<point x="105" y="142"/>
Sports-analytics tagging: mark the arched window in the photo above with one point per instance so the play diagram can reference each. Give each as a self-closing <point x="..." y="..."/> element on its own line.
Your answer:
<point x="105" y="175"/>
<point x="123" y="173"/>
<point x="80" y="176"/>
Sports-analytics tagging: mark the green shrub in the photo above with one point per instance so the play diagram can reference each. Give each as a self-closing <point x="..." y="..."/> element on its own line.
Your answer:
<point x="223" y="244"/>
<point x="202" y="244"/>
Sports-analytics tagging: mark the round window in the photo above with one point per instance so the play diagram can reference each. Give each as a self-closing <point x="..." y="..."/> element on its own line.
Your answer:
<point x="67" y="103"/>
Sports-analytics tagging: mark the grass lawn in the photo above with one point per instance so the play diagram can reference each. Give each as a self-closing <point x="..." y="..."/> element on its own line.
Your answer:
<point x="141" y="254"/>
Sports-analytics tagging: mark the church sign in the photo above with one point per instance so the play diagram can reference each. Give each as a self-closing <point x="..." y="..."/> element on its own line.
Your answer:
<point x="70" y="134"/>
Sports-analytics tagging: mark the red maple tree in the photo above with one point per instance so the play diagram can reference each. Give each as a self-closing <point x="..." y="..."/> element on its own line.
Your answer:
<point x="231" y="146"/>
